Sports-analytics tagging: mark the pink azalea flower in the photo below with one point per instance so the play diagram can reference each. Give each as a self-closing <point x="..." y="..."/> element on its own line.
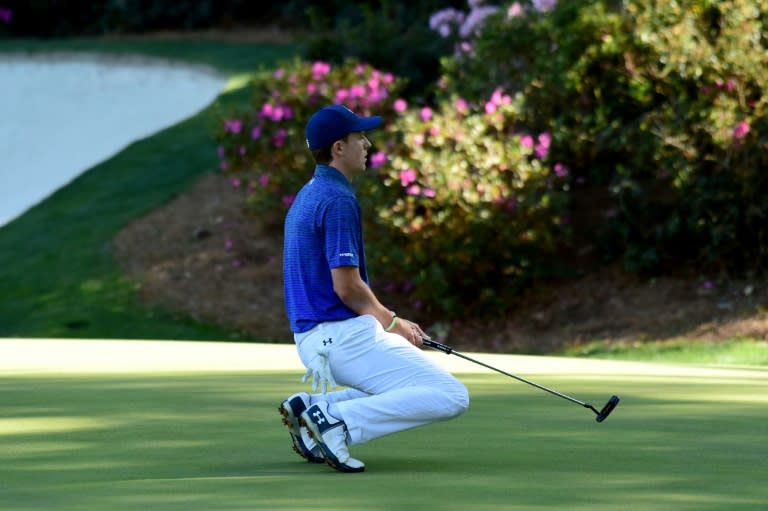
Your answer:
<point x="279" y="73"/>
<point x="560" y="170"/>
<point x="425" y="114"/>
<point x="341" y="95"/>
<point x="496" y="97"/>
<point x="407" y="177"/>
<point x="378" y="159"/>
<point x="280" y="136"/>
<point x="741" y="130"/>
<point x="358" y="91"/>
<point x="223" y="165"/>
<point x="311" y="88"/>
<point x="320" y="69"/>
<point x="413" y="190"/>
<point x="462" y="106"/>
<point x="233" y="125"/>
<point x="400" y="105"/>
<point x="542" y="148"/>
<point x="277" y="114"/>
<point x="220" y="151"/>
<point x="235" y="182"/>
<point x="429" y="192"/>
<point x="526" y="141"/>
<point x="255" y="132"/>
<point x="264" y="180"/>
<point x="514" y="10"/>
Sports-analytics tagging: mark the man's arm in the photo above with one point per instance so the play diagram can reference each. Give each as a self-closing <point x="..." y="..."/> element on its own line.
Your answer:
<point x="359" y="297"/>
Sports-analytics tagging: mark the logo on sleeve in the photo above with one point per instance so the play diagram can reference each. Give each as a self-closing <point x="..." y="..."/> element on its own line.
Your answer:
<point x="346" y="254"/>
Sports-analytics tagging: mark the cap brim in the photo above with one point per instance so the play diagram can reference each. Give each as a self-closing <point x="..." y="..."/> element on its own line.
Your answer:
<point x="368" y="123"/>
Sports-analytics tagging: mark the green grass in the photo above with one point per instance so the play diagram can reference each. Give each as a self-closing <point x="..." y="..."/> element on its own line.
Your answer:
<point x="732" y="352"/>
<point x="214" y="442"/>
<point x="58" y="276"/>
<point x="227" y="57"/>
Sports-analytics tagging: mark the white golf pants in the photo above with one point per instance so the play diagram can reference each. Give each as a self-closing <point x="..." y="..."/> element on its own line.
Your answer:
<point x="392" y="385"/>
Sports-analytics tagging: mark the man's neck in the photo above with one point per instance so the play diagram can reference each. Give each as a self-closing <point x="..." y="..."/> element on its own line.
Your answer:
<point x="344" y="171"/>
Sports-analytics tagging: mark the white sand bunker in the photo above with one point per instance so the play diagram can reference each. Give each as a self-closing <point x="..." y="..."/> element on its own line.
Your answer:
<point x="61" y="114"/>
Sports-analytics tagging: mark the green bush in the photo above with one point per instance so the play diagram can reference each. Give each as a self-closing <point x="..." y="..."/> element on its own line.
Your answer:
<point x="391" y="36"/>
<point x="474" y="200"/>
<point x="659" y="103"/>
<point x="464" y="201"/>
<point x="264" y="149"/>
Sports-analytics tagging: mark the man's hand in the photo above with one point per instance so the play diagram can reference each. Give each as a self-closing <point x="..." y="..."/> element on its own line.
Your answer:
<point x="411" y="331"/>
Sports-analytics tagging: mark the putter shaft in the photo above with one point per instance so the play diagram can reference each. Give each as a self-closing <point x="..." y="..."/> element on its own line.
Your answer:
<point x="601" y="414"/>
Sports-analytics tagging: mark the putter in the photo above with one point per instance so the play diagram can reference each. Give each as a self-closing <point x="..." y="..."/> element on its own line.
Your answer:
<point x="601" y="414"/>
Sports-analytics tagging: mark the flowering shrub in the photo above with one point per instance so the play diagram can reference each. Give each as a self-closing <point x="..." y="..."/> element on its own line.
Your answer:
<point x="387" y="34"/>
<point x="264" y="149"/>
<point x="474" y="199"/>
<point x="465" y="201"/>
<point x="662" y="104"/>
<point x="460" y="26"/>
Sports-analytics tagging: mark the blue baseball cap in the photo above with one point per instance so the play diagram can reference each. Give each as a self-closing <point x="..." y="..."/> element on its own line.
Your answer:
<point x="335" y="122"/>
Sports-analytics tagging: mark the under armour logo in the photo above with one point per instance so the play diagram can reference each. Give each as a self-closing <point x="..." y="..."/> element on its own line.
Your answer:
<point x="319" y="417"/>
<point x="328" y="341"/>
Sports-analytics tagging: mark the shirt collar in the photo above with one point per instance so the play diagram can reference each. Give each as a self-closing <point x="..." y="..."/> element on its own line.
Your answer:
<point x="332" y="173"/>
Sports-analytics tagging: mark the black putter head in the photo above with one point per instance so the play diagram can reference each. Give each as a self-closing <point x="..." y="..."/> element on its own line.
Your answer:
<point x="607" y="409"/>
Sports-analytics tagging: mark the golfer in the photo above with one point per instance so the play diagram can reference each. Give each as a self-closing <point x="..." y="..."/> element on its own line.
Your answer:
<point x="343" y="333"/>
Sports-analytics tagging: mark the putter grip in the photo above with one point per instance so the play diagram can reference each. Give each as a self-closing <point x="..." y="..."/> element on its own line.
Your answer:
<point x="438" y="346"/>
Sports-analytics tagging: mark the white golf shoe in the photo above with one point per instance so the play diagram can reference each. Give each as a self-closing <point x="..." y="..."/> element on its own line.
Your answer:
<point x="331" y="436"/>
<point x="291" y="410"/>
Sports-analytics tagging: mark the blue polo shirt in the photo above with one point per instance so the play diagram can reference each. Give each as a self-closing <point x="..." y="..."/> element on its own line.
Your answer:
<point x="323" y="230"/>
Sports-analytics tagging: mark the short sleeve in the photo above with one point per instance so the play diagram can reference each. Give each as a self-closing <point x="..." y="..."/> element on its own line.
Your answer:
<point x="342" y="232"/>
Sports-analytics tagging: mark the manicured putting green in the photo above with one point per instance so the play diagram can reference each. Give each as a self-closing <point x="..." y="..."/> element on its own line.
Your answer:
<point x="213" y="441"/>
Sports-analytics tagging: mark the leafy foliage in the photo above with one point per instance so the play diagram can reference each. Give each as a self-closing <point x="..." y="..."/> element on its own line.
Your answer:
<point x="462" y="195"/>
<point x="661" y="103"/>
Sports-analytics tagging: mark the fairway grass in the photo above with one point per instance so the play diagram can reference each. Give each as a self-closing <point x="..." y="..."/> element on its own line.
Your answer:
<point x="195" y="439"/>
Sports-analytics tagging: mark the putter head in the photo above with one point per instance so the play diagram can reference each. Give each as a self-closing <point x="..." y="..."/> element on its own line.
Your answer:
<point x="607" y="409"/>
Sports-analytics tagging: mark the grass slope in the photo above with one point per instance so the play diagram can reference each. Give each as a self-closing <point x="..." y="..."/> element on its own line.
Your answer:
<point x="58" y="276"/>
<point x="214" y="442"/>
